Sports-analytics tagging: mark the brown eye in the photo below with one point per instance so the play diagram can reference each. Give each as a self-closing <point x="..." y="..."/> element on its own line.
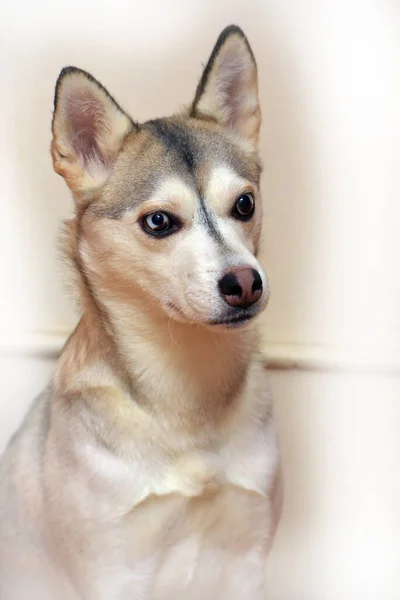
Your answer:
<point x="157" y="223"/>
<point x="244" y="207"/>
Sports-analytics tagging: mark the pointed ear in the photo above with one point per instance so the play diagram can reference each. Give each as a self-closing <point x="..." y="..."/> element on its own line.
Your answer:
<point x="228" y="89"/>
<point x="88" y="130"/>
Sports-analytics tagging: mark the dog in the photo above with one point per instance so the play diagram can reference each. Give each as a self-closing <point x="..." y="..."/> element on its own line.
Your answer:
<point x="149" y="467"/>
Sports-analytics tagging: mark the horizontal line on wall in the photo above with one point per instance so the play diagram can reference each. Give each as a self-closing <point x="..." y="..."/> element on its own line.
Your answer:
<point x="323" y="357"/>
<point x="277" y="355"/>
<point x="37" y="344"/>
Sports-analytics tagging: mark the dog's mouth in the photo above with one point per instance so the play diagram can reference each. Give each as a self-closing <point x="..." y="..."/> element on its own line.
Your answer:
<point x="229" y="321"/>
<point x="234" y="321"/>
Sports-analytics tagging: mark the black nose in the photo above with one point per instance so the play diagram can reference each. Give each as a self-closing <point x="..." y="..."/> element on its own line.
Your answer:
<point x="241" y="286"/>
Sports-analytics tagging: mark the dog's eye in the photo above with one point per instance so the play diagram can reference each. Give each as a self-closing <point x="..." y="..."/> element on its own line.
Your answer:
<point x="244" y="207"/>
<point x="157" y="223"/>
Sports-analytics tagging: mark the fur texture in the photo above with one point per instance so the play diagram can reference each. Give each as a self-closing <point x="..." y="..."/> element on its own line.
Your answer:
<point x="149" y="470"/>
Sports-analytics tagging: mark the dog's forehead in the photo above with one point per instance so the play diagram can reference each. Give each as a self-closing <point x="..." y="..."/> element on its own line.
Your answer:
<point x="192" y="148"/>
<point x="200" y="156"/>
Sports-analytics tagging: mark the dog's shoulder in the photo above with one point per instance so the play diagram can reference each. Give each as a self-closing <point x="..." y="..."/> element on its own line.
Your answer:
<point x="21" y="489"/>
<point x="27" y="443"/>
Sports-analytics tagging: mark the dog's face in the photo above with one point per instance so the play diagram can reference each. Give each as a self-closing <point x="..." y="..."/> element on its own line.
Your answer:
<point x="169" y="212"/>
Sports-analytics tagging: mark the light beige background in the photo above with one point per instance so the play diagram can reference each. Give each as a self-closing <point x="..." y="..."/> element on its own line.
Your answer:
<point x="331" y="246"/>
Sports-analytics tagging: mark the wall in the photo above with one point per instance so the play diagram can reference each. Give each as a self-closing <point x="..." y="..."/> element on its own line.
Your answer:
<point x="331" y="245"/>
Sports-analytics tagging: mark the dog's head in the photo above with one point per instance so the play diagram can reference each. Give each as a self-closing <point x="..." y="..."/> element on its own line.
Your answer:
<point x="169" y="212"/>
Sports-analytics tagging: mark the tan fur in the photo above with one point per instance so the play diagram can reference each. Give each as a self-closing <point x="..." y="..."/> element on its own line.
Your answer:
<point x="149" y="468"/>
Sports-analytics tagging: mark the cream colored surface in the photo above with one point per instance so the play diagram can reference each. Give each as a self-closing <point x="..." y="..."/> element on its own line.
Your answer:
<point x="327" y="85"/>
<point x="339" y="536"/>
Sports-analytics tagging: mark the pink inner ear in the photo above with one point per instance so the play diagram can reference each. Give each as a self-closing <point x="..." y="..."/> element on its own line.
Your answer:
<point x="86" y="117"/>
<point x="231" y="86"/>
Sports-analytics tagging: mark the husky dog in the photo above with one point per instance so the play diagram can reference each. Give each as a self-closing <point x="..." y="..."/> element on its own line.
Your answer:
<point x="148" y="469"/>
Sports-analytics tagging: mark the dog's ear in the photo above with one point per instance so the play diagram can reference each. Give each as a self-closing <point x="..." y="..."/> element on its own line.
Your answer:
<point x="88" y="130"/>
<point x="228" y="89"/>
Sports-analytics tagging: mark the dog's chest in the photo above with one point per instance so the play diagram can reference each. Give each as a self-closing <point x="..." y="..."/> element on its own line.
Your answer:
<point x="195" y="527"/>
<point x="202" y="531"/>
<point x="214" y="543"/>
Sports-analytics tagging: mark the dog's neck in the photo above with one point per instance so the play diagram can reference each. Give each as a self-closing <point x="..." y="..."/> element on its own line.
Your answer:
<point x="181" y="366"/>
<point x="189" y="371"/>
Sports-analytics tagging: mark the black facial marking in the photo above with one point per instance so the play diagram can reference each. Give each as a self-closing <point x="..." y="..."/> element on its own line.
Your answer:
<point x="185" y="150"/>
<point x="209" y="222"/>
<point x="177" y="139"/>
